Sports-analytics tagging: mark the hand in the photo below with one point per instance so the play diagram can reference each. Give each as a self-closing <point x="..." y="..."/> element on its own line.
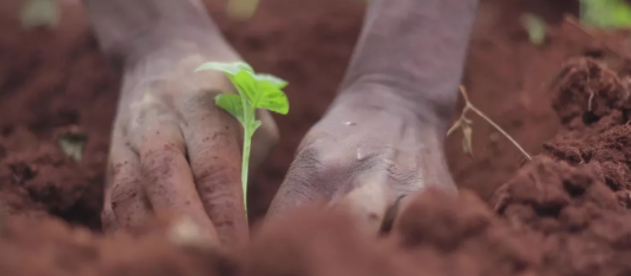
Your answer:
<point x="174" y="152"/>
<point x="366" y="153"/>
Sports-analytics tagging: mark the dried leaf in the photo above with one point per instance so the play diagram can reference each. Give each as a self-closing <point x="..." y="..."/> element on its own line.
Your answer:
<point x="467" y="131"/>
<point x="72" y="144"/>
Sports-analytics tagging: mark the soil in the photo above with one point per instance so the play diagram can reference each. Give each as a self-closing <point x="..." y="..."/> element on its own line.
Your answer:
<point x="566" y="212"/>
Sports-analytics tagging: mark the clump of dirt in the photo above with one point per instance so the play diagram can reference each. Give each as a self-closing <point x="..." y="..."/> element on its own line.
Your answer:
<point x="576" y="196"/>
<point x="589" y="94"/>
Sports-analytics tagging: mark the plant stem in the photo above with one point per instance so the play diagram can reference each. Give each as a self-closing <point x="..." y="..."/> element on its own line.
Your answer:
<point x="247" y="140"/>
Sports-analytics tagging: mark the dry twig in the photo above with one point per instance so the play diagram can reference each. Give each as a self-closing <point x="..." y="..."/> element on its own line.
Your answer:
<point x="464" y="123"/>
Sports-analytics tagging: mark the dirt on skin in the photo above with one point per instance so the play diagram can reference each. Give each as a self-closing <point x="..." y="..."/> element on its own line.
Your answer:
<point x="566" y="212"/>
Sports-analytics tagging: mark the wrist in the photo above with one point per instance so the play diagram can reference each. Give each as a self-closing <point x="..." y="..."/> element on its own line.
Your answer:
<point x="382" y="97"/>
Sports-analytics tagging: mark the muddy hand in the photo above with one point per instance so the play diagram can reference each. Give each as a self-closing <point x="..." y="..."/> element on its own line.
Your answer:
<point x="383" y="137"/>
<point x="173" y="152"/>
<point x="366" y="158"/>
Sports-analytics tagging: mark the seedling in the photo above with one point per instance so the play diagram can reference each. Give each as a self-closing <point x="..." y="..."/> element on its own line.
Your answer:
<point x="254" y="91"/>
<point x="39" y="13"/>
<point x="607" y="14"/>
<point x="72" y="144"/>
<point x="464" y="124"/>
<point x="241" y="9"/>
<point x="536" y="28"/>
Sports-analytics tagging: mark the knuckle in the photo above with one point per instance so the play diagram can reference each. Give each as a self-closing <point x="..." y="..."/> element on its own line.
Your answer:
<point x="122" y="178"/>
<point x="123" y="195"/>
<point x="218" y="179"/>
<point x="157" y="162"/>
<point x="225" y="220"/>
<point x="217" y="182"/>
<point x="314" y="170"/>
<point x="307" y="168"/>
<point x="215" y="166"/>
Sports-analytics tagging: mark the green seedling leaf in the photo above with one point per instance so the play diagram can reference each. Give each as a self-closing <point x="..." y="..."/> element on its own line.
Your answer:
<point x="39" y="13"/>
<point x="536" y="28"/>
<point x="246" y="85"/>
<point x="72" y="144"/>
<point x="254" y="91"/>
<point x="272" y="80"/>
<point x="230" y="69"/>
<point x="231" y="103"/>
<point x="271" y="97"/>
<point x="467" y="132"/>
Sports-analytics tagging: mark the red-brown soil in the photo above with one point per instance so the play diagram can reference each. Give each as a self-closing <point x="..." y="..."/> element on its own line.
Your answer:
<point x="566" y="212"/>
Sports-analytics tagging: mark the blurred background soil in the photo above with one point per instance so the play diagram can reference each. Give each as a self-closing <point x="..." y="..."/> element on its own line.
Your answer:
<point x="51" y="81"/>
<point x="549" y="217"/>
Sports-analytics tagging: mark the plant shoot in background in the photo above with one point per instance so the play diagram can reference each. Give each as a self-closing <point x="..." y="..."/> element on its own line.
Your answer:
<point x="536" y="28"/>
<point x="606" y="14"/>
<point x="40" y="13"/>
<point x="254" y="91"/>
<point x="241" y="9"/>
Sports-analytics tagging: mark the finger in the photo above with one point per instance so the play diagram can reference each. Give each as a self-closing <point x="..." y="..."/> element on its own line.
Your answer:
<point x="212" y="141"/>
<point x="168" y="182"/>
<point x="127" y="200"/>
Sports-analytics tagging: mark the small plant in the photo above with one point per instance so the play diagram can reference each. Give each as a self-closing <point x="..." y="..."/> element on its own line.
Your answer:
<point x="241" y="9"/>
<point x="72" y="143"/>
<point x="464" y="124"/>
<point x="606" y="13"/>
<point x="254" y="91"/>
<point x="536" y="28"/>
<point x="39" y="13"/>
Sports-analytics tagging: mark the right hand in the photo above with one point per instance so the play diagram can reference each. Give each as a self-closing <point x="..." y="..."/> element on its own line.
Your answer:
<point x="366" y="154"/>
